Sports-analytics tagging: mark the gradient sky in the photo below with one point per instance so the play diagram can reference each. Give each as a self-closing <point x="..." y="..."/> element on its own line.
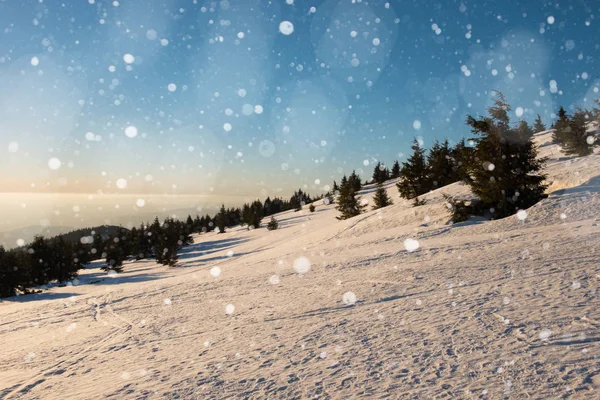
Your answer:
<point x="226" y="101"/>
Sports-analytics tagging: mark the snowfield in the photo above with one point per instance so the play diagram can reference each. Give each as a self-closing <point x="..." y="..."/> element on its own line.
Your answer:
<point x="323" y="308"/>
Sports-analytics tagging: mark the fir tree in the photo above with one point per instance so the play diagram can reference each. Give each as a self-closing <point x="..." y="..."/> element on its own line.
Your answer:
<point x="395" y="170"/>
<point x="440" y="164"/>
<point x="461" y="157"/>
<point x="335" y="187"/>
<point x="354" y="182"/>
<point x="348" y="203"/>
<point x="114" y="254"/>
<point x="506" y="173"/>
<point x="221" y="219"/>
<point x="575" y="139"/>
<point x="311" y="208"/>
<point x="273" y="224"/>
<point x="561" y="128"/>
<point x="381" y="198"/>
<point x="414" y="174"/>
<point x="380" y="173"/>
<point x="538" y="125"/>
<point x="10" y="274"/>
<point x="170" y="242"/>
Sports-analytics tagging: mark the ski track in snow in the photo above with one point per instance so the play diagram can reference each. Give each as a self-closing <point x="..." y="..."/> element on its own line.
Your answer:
<point x="505" y="308"/>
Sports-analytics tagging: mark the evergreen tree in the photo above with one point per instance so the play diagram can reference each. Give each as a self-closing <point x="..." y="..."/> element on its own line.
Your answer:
<point x="395" y="170"/>
<point x="380" y="173"/>
<point x="440" y="164"/>
<point x="348" y="203"/>
<point x="114" y="254"/>
<point x="506" y="173"/>
<point x="335" y="187"/>
<point x="354" y="181"/>
<point x="189" y="226"/>
<point x="170" y="242"/>
<point x="311" y="208"/>
<point x="221" y="219"/>
<point x="41" y="260"/>
<point x="538" y="125"/>
<point x="381" y="198"/>
<point x="561" y="128"/>
<point x="462" y="156"/>
<point x="414" y="174"/>
<point x="575" y="139"/>
<point x="63" y="267"/>
<point x="11" y="276"/>
<point x="256" y="209"/>
<point x="273" y="224"/>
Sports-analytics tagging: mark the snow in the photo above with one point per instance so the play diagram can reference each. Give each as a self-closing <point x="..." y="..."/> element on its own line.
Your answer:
<point x="54" y="163"/>
<point x="286" y="28"/>
<point x="340" y="304"/>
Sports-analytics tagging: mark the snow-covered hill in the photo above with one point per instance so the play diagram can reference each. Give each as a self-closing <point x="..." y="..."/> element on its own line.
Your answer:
<point x="337" y="309"/>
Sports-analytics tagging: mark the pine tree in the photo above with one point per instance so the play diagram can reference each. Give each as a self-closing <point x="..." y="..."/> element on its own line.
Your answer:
<point x="354" y="181"/>
<point x="462" y="156"/>
<point x="335" y="187"/>
<point x="114" y="254"/>
<point x="381" y="198"/>
<point x="170" y="242"/>
<point x="41" y="260"/>
<point x="506" y="173"/>
<point x="311" y="208"/>
<point x="440" y="164"/>
<point x="9" y="274"/>
<point x="221" y="219"/>
<point x="576" y="140"/>
<point x="538" y="125"/>
<point x="561" y="128"/>
<point x="380" y="173"/>
<point x="348" y="203"/>
<point x="395" y="170"/>
<point x="273" y="224"/>
<point x="414" y="174"/>
<point x="257" y="213"/>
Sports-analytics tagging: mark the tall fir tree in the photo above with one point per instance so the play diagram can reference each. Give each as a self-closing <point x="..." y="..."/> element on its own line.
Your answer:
<point x="381" y="198"/>
<point x="538" y="125"/>
<point x="414" y="174"/>
<point x="506" y="174"/>
<point x="440" y="164"/>
<point x="354" y="182"/>
<point x="561" y="127"/>
<point x="348" y="203"/>
<point x="395" y="170"/>
<point x="575" y="138"/>
<point x="221" y="219"/>
<point x="380" y="173"/>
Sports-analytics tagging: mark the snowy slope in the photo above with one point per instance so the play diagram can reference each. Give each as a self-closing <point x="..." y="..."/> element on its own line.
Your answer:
<point x="479" y="310"/>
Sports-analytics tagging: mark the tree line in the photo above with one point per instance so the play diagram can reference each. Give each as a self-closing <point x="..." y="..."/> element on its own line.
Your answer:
<point x="60" y="258"/>
<point x="499" y="163"/>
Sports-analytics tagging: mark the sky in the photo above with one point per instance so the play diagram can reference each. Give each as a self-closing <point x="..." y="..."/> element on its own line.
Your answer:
<point x="236" y="99"/>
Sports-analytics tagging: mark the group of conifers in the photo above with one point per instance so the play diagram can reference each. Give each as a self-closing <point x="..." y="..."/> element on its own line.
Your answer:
<point x="499" y="163"/>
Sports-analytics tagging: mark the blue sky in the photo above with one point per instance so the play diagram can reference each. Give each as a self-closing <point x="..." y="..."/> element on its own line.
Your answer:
<point x="226" y="103"/>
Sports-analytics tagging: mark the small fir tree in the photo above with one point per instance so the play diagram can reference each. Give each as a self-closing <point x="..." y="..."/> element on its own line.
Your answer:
<point x="538" y="125"/>
<point x="273" y="224"/>
<point x="381" y="198"/>
<point x="311" y="208"/>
